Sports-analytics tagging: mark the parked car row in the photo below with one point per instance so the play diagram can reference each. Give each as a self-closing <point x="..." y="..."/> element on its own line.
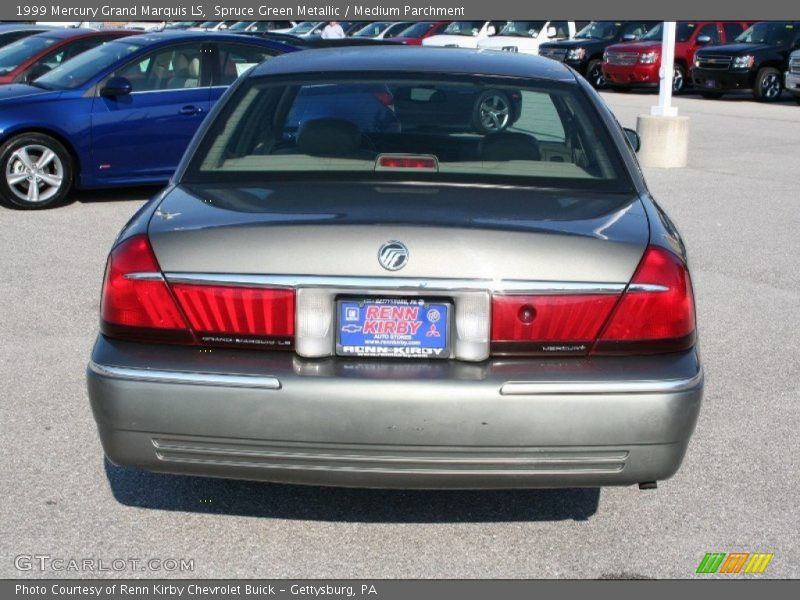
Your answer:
<point x="95" y="108"/>
<point x="620" y="55"/>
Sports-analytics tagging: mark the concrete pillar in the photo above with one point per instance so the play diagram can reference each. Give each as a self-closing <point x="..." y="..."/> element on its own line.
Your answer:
<point x="664" y="141"/>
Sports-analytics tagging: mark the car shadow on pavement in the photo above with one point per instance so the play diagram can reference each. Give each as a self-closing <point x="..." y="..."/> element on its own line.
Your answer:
<point x="143" y="489"/>
<point x="127" y="194"/>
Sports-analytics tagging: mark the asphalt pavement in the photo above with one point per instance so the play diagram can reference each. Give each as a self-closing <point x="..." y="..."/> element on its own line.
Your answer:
<point x="737" y="206"/>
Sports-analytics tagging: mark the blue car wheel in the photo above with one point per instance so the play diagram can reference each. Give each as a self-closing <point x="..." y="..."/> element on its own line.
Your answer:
<point x="36" y="171"/>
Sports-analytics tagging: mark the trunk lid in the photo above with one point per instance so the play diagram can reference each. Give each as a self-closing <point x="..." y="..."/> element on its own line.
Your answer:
<point x="464" y="232"/>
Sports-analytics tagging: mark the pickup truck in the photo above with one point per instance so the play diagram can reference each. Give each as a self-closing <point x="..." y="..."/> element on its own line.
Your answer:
<point x="756" y="62"/>
<point x="637" y="64"/>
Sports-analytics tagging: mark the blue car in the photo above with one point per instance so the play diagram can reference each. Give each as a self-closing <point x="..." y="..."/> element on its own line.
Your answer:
<point x="119" y="114"/>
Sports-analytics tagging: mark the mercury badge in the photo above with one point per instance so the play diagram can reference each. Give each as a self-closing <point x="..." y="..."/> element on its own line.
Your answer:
<point x="393" y="255"/>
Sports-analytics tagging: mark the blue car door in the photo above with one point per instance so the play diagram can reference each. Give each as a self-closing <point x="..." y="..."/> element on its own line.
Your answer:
<point x="140" y="137"/>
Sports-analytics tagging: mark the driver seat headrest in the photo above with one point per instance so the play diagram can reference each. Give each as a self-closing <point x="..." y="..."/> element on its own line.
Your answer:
<point x="328" y="137"/>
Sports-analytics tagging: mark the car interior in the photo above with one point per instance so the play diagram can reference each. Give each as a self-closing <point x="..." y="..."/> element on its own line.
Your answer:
<point x="551" y="132"/>
<point x="173" y="68"/>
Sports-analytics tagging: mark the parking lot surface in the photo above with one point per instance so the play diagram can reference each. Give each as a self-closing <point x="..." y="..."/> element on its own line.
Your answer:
<point x="737" y="208"/>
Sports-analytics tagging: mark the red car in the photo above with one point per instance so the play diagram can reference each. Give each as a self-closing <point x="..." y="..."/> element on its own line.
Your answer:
<point x="29" y="58"/>
<point x="636" y="64"/>
<point x="417" y="32"/>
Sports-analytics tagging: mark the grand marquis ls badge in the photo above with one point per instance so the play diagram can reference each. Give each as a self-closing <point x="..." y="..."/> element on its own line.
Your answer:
<point x="393" y="255"/>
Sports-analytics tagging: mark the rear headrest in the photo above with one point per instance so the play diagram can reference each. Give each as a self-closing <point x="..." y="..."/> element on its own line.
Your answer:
<point x="181" y="63"/>
<point x="509" y="146"/>
<point x="328" y="137"/>
<point x="194" y="67"/>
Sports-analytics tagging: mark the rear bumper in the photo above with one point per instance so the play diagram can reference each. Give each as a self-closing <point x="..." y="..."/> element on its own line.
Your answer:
<point x="498" y="424"/>
<point x="722" y="80"/>
<point x="634" y="75"/>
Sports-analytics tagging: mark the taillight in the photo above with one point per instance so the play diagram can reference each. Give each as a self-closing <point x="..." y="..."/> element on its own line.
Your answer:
<point x="137" y="303"/>
<point x="656" y="313"/>
<point x="544" y="324"/>
<point x="238" y="315"/>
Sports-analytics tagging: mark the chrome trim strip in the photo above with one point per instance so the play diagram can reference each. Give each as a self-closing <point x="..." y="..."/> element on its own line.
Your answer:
<point x="185" y="377"/>
<point x="503" y="286"/>
<point x="200" y="88"/>
<point x="541" y="388"/>
<point x="647" y="287"/>
<point x="144" y="276"/>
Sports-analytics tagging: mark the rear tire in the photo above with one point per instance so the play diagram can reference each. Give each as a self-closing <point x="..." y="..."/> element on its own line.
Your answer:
<point x="797" y="98"/>
<point x="768" y="85"/>
<point x="36" y="171"/>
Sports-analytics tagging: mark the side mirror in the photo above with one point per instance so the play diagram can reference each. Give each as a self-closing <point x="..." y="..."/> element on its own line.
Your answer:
<point x="629" y="37"/>
<point x="633" y="139"/>
<point x="703" y="39"/>
<point x="491" y="30"/>
<point x="551" y="31"/>
<point x="116" y="86"/>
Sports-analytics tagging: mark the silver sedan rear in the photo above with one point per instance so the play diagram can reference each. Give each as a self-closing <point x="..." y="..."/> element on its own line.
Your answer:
<point x="363" y="278"/>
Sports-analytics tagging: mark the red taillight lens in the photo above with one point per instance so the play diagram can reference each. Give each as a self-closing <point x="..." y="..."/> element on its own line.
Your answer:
<point x="267" y="314"/>
<point x="656" y="313"/>
<point x="136" y="301"/>
<point x="407" y="162"/>
<point x="138" y="304"/>
<point x="548" y="324"/>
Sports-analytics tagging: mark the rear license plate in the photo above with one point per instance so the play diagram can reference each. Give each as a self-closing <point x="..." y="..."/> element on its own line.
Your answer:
<point x="393" y="328"/>
<point x="710" y="83"/>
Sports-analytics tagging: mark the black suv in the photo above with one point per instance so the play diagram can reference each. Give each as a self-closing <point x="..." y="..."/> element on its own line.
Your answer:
<point x="584" y="52"/>
<point x="755" y="61"/>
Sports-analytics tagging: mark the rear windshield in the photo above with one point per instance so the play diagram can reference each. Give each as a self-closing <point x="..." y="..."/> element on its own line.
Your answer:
<point x="485" y="131"/>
